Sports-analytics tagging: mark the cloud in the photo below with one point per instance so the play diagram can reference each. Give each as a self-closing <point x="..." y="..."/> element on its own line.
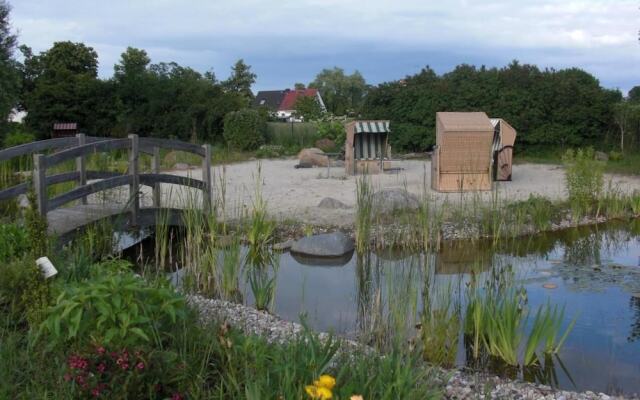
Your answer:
<point x="289" y="40"/>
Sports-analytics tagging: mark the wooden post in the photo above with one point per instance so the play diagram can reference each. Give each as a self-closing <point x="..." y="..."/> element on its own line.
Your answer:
<point x="40" y="182"/>
<point x="155" y="166"/>
<point x="81" y="165"/>
<point x="134" y="186"/>
<point x="207" y="179"/>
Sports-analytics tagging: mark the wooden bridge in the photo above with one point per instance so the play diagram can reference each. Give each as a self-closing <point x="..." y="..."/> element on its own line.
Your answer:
<point x="64" y="222"/>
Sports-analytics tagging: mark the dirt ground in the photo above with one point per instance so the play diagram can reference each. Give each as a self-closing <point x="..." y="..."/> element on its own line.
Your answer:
<point x="295" y="193"/>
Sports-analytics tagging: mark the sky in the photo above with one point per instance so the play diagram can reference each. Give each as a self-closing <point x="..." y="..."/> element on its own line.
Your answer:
<point x="288" y="41"/>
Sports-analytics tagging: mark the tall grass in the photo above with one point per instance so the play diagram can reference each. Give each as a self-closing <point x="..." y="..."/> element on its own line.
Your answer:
<point x="364" y="212"/>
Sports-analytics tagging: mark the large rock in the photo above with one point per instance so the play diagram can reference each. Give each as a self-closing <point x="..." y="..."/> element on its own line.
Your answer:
<point x="330" y="202"/>
<point x="333" y="244"/>
<point x="313" y="156"/>
<point x="601" y="156"/>
<point x="389" y="200"/>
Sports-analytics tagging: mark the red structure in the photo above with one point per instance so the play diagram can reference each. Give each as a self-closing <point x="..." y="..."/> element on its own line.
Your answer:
<point x="64" y="129"/>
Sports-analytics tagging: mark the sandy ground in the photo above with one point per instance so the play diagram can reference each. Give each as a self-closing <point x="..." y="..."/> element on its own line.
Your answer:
<point x="295" y="193"/>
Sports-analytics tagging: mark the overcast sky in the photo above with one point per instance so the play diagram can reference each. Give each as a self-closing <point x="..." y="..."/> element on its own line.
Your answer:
<point x="288" y="41"/>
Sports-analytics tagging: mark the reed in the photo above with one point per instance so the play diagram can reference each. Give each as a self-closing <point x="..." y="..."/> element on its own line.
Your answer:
<point x="364" y="213"/>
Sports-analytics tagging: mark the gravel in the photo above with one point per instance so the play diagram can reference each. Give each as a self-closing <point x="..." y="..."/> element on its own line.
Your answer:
<point x="457" y="384"/>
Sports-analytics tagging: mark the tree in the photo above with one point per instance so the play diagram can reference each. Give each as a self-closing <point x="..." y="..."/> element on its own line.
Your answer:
<point x="133" y="87"/>
<point x="299" y="86"/>
<point x="549" y="108"/>
<point x="241" y="80"/>
<point x="626" y="117"/>
<point x="341" y="93"/>
<point x="9" y="73"/>
<point x="63" y="87"/>
<point x="634" y="95"/>
<point x="308" y="108"/>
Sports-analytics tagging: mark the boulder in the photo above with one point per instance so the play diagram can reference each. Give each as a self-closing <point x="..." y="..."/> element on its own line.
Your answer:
<point x="325" y="144"/>
<point x="330" y="202"/>
<point x="314" y="157"/>
<point x="389" y="200"/>
<point x="333" y="244"/>
<point x="601" y="156"/>
<point x="303" y="165"/>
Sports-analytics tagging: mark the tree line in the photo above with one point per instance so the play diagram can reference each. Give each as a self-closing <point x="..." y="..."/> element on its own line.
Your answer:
<point x="548" y="107"/>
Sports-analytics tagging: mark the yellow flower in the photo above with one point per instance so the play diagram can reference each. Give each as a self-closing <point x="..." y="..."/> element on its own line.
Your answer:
<point x="326" y="381"/>
<point x="318" y="392"/>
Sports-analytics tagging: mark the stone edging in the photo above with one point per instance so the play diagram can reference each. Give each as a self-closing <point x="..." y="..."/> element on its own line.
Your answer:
<point x="460" y="385"/>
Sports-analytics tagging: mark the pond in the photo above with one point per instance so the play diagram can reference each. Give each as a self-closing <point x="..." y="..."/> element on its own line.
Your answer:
<point x="594" y="272"/>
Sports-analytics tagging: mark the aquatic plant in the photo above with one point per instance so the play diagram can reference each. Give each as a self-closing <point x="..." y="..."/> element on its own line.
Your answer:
<point x="584" y="180"/>
<point x="364" y="212"/>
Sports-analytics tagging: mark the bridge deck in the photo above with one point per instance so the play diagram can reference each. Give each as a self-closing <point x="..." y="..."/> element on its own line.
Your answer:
<point x="65" y="222"/>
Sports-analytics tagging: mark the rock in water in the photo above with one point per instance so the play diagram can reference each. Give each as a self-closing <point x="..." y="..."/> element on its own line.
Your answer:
<point x="325" y="245"/>
<point x="314" y="157"/>
<point x="330" y="202"/>
<point x="389" y="200"/>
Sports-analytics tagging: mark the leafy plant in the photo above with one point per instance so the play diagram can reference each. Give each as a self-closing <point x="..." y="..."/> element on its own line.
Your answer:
<point x="14" y="241"/>
<point x="118" y="309"/>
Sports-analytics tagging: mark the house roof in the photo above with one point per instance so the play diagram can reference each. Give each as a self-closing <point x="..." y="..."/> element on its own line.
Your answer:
<point x="65" y="126"/>
<point x="269" y="98"/>
<point x="291" y="96"/>
<point x="465" y="121"/>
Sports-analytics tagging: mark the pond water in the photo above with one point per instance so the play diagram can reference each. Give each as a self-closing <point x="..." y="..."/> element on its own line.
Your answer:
<point x="593" y="271"/>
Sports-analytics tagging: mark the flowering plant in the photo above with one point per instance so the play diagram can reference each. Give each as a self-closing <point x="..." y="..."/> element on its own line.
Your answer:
<point x="321" y="388"/>
<point x="123" y="373"/>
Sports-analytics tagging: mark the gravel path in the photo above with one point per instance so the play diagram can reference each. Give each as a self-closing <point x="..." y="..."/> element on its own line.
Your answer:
<point x="459" y="385"/>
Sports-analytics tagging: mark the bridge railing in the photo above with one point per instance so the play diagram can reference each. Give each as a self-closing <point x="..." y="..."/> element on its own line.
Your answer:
<point x="81" y="146"/>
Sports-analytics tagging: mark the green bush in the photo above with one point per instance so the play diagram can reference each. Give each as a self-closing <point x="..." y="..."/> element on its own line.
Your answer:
<point x="14" y="241"/>
<point x="244" y="129"/>
<point x="584" y="180"/>
<point x="333" y="130"/>
<point x="17" y="137"/>
<point x="616" y="156"/>
<point x="24" y="293"/>
<point x="114" y="309"/>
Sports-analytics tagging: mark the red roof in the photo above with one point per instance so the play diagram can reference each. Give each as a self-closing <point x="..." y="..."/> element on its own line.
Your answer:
<point x="290" y="98"/>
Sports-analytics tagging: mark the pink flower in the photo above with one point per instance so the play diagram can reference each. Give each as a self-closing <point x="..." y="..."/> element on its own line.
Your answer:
<point x="101" y="350"/>
<point x="76" y="362"/>
<point x="95" y="392"/>
<point x="176" y="396"/>
<point x="67" y="377"/>
<point x="101" y="367"/>
<point x="140" y="365"/>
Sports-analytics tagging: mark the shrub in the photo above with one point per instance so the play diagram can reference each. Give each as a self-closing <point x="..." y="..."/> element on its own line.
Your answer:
<point x="616" y="156"/>
<point x="14" y="241"/>
<point x="114" y="309"/>
<point x="24" y="294"/>
<point x="333" y="130"/>
<point x="244" y="129"/>
<point x="584" y="179"/>
<point x="270" y="151"/>
<point x="123" y="373"/>
<point x="16" y="138"/>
